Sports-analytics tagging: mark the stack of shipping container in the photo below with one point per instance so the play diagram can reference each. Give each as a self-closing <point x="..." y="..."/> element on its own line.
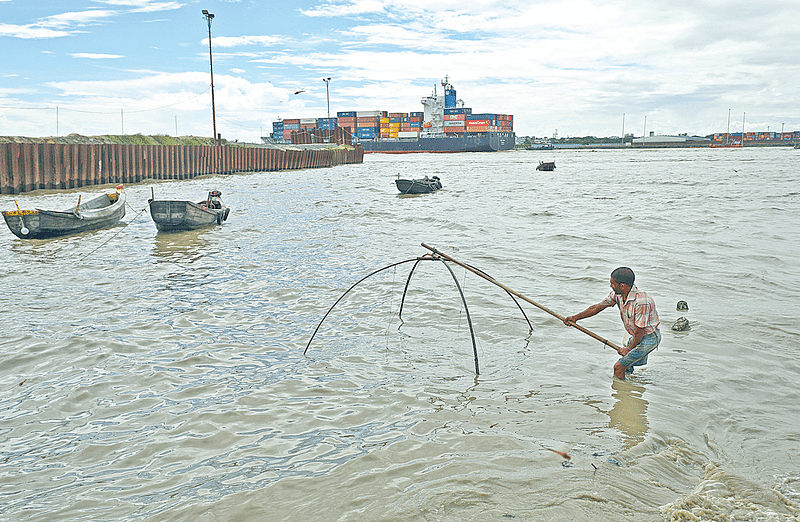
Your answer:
<point x="763" y="137"/>
<point x="372" y="125"/>
<point x="462" y="120"/>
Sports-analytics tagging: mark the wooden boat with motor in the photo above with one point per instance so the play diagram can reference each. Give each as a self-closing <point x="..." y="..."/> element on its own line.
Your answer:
<point x="418" y="186"/>
<point x="179" y="215"/>
<point x="100" y="212"/>
<point x="546" y="165"/>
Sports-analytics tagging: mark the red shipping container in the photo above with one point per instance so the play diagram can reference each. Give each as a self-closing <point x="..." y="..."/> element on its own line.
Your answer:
<point x="479" y="122"/>
<point x="455" y="117"/>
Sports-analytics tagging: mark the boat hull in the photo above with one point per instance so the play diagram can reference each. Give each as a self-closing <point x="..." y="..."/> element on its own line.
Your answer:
<point x="546" y="166"/>
<point x="178" y="215"/>
<point x="482" y="142"/>
<point x="100" y="212"/>
<point x="418" y="186"/>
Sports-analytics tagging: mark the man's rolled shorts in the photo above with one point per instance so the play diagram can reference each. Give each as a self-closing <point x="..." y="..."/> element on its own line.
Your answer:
<point x="638" y="356"/>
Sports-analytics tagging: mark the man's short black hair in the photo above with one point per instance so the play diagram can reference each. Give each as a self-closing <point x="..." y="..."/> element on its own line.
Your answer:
<point x="623" y="274"/>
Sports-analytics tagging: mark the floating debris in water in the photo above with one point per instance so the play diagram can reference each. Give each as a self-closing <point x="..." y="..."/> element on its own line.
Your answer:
<point x="560" y="453"/>
<point x="682" y="306"/>
<point x="681" y="324"/>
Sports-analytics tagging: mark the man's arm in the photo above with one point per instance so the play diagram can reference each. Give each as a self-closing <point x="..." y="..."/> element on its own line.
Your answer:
<point x="592" y="310"/>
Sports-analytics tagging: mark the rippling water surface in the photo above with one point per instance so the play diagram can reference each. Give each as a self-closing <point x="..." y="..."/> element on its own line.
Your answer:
<point x="161" y="376"/>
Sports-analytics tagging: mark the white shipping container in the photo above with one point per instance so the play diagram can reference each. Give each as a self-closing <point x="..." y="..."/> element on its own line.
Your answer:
<point x="308" y="120"/>
<point x="368" y="114"/>
<point x="458" y="123"/>
<point x="407" y="134"/>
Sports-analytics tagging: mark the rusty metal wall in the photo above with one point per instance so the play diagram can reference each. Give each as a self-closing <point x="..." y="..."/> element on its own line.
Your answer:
<point x="25" y="167"/>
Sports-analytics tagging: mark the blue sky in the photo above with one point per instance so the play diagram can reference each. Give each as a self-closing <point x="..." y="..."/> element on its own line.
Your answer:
<point x="577" y="67"/>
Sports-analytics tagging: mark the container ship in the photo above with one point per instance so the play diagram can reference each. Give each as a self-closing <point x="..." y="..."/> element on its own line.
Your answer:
<point x="445" y="125"/>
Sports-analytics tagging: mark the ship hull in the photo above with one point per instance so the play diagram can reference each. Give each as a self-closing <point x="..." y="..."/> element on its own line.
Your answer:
<point x="482" y="142"/>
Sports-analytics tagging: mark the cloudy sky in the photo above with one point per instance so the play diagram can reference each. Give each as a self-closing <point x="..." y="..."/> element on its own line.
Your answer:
<point x="577" y="67"/>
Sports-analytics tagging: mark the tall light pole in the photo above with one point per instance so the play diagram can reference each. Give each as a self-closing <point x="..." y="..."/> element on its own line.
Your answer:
<point x="644" y="131"/>
<point x="210" y="16"/>
<point x="328" y="93"/>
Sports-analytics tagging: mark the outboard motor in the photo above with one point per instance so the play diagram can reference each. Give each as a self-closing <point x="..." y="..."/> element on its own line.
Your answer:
<point x="214" y="200"/>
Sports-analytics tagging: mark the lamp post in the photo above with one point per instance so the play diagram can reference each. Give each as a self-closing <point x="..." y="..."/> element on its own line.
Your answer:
<point x="328" y="94"/>
<point x="210" y="16"/>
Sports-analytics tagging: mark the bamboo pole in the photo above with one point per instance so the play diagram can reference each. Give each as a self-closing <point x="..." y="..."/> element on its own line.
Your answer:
<point x="514" y="292"/>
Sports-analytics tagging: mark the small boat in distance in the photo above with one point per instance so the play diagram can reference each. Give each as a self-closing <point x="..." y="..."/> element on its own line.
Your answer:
<point x="100" y="212"/>
<point x="178" y="215"/>
<point x="418" y="186"/>
<point x="546" y="165"/>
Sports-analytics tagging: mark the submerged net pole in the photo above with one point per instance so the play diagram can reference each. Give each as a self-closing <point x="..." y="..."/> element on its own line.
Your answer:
<point x="588" y="332"/>
<point x="469" y="319"/>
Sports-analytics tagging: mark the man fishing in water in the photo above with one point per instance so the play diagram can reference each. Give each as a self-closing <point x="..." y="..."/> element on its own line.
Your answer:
<point x="639" y="317"/>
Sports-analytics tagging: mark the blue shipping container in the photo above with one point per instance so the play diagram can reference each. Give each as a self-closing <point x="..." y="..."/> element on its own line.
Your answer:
<point x="346" y="114"/>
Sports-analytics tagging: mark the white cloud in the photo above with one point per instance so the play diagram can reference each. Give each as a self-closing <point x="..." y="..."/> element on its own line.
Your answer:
<point x="351" y="8"/>
<point x="74" y="18"/>
<point x="235" y="41"/>
<point x="96" y="56"/>
<point x="30" y="32"/>
<point x="158" y="6"/>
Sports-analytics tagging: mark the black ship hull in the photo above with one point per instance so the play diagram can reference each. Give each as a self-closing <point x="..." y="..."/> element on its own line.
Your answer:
<point x="477" y="142"/>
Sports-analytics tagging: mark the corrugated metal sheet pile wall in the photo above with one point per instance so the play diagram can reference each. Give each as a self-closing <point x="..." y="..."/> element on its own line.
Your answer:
<point x="32" y="166"/>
